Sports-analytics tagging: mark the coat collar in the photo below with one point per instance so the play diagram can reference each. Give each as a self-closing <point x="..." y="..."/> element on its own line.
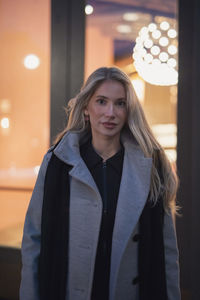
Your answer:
<point x="69" y="152"/>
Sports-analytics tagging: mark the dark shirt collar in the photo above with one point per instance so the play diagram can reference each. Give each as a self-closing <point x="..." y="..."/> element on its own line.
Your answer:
<point x="92" y="159"/>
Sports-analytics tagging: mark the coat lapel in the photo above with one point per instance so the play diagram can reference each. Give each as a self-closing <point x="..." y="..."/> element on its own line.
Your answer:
<point x="81" y="173"/>
<point x="134" y="189"/>
<point x="68" y="151"/>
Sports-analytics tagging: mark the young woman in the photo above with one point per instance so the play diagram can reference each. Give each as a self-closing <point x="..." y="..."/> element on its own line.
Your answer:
<point x="99" y="224"/>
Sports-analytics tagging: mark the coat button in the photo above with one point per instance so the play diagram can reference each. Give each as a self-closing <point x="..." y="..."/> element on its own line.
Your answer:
<point x="135" y="280"/>
<point x="136" y="237"/>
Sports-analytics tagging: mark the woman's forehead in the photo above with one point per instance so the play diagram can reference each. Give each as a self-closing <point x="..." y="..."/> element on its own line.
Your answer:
<point x="110" y="87"/>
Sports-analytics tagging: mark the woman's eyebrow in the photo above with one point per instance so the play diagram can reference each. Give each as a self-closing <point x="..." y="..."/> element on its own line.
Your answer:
<point x="102" y="96"/>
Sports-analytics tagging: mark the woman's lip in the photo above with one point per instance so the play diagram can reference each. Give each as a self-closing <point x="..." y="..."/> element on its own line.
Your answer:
<point x="109" y="124"/>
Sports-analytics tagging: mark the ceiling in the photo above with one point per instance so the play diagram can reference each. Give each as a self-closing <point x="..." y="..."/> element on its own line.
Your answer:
<point x="167" y="7"/>
<point x="108" y="15"/>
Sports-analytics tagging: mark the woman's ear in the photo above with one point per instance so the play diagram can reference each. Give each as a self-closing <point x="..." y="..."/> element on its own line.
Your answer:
<point x="86" y="115"/>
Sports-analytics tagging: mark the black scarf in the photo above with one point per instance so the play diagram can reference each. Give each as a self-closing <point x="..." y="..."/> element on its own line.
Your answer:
<point x="53" y="261"/>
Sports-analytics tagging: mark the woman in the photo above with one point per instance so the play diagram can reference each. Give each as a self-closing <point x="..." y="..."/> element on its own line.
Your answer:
<point x="99" y="224"/>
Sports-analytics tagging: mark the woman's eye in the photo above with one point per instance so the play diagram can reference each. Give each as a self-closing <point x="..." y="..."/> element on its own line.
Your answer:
<point x="101" y="101"/>
<point x="121" y="103"/>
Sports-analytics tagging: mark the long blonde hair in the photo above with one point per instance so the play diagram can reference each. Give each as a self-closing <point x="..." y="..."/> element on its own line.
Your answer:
<point x="163" y="177"/>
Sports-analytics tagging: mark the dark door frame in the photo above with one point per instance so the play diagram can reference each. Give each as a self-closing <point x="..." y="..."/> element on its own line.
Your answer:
<point x="67" y="57"/>
<point x="188" y="148"/>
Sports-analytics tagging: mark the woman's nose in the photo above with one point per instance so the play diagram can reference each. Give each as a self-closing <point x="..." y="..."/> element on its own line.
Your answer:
<point x="109" y="110"/>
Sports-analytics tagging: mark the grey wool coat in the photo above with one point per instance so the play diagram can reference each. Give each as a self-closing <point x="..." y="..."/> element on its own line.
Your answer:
<point x="84" y="224"/>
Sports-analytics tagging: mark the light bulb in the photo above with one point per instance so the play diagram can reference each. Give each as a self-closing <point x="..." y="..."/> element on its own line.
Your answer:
<point x="156" y="34"/>
<point x="172" y="33"/>
<point x="152" y="27"/>
<point x="156" y="61"/>
<point x="136" y="56"/>
<point x="163" y="41"/>
<point x="172" y="63"/>
<point x="143" y="52"/>
<point x="143" y="30"/>
<point x="164" y="25"/>
<point x="148" y="58"/>
<point x="138" y="40"/>
<point x="172" y="49"/>
<point x="163" y="56"/>
<point x="148" y="43"/>
<point x="155" y="50"/>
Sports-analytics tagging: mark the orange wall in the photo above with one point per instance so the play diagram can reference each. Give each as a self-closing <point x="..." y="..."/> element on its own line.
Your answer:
<point x="24" y="29"/>
<point x="98" y="50"/>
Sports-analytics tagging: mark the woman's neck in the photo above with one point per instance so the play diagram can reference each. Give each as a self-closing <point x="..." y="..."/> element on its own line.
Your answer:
<point x="106" y="148"/>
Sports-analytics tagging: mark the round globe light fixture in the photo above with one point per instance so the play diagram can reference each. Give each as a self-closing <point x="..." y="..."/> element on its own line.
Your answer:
<point x="155" y="54"/>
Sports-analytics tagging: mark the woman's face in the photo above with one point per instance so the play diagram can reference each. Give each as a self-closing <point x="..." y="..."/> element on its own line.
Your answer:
<point x="107" y="110"/>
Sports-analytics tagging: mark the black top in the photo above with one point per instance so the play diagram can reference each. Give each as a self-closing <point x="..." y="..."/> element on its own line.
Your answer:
<point x="107" y="176"/>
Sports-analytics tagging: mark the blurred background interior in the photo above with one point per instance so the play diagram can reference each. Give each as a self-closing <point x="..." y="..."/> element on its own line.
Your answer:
<point x="47" y="50"/>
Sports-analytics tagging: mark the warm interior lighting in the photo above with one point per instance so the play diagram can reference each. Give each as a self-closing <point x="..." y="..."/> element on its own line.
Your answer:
<point x="5" y="123"/>
<point x="166" y="135"/>
<point x="89" y="9"/>
<point x="123" y="28"/>
<point x="129" y="16"/>
<point x="31" y="61"/>
<point x="5" y="106"/>
<point x="139" y="88"/>
<point x="154" y="54"/>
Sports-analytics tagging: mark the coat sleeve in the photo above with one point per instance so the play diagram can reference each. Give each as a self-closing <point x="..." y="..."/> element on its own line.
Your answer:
<point x="171" y="258"/>
<point x="31" y="238"/>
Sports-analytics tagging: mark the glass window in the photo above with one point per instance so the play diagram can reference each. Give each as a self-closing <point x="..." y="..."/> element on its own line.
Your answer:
<point x="141" y="39"/>
<point x="24" y="107"/>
